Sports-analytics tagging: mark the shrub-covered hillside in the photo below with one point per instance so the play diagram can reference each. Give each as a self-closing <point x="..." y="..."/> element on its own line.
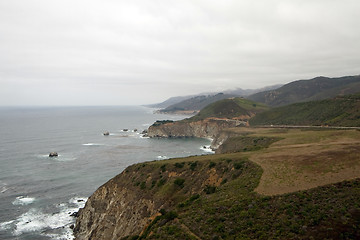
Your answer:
<point x="340" y="111"/>
<point x="230" y="108"/>
<point x="309" y="90"/>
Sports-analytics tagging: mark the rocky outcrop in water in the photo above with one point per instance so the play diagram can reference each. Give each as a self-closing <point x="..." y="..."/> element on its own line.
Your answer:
<point x="53" y="154"/>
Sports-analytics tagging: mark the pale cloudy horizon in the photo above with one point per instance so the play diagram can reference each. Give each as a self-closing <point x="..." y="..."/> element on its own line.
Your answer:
<point x="91" y="52"/>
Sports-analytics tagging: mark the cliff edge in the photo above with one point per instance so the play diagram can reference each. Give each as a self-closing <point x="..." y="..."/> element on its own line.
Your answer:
<point x="211" y="120"/>
<point x="128" y="203"/>
<point x="267" y="184"/>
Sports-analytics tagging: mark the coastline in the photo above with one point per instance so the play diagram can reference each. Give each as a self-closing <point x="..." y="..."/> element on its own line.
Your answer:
<point x="140" y="185"/>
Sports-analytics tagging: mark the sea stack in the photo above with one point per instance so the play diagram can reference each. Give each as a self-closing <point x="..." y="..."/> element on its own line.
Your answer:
<point x="53" y="154"/>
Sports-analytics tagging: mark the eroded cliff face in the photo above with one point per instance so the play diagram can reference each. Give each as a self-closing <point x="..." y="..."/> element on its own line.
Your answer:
<point x="129" y="202"/>
<point x="115" y="210"/>
<point x="208" y="128"/>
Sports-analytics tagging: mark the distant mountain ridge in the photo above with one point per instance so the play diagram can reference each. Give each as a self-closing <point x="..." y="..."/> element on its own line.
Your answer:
<point x="308" y="90"/>
<point x="199" y="101"/>
<point x="196" y="103"/>
<point x="169" y="102"/>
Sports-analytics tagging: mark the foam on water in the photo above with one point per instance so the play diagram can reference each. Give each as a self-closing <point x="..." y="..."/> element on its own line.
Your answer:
<point x="36" y="220"/>
<point x="3" y="187"/>
<point x="21" y="200"/>
<point x="6" y="225"/>
<point x="28" y="170"/>
<point x="207" y="149"/>
<point x="60" y="157"/>
<point x="162" y="157"/>
<point x="93" y="144"/>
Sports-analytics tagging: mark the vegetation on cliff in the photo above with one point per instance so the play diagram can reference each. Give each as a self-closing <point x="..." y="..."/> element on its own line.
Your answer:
<point x="195" y="103"/>
<point x="276" y="191"/>
<point x="229" y="108"/>
<point x="339" y="111"/>
<point x="309" y="90"/>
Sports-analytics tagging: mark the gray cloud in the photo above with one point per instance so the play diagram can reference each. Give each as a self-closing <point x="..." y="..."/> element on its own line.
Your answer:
<point x="121" y="52"/>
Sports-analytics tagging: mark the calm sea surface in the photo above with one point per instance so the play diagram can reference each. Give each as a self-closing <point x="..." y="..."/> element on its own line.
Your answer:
<point x="38" y="194"/>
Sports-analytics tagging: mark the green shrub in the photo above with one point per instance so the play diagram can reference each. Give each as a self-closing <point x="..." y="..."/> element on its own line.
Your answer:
<point x="162" y="211"/>
<point x="160" y="122"/>
<point x="239" y="165"/>
<point x="161" y="182"/>
<point x="153" y="183"/>
<point x="212" y="164"/>
<point x="170" y="215"/>
<point x="193" y="165"/>
<point x="209" y="189"/>
<point x="179" y="182"/>
<point x="223" y="181"/>
<point x="179" y="165"/>
<point x="194" y="197"/>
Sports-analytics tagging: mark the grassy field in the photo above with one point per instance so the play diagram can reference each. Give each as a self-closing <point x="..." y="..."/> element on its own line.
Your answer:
<point x="301" y="184"/>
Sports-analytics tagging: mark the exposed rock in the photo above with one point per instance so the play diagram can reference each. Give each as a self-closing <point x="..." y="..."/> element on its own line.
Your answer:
<point x="121" y="207"/>
<point x="114" y="211"/>
<point x="106" y="133"/>
<point x="53" y="154"/>
<point x="74" y="214"/>
<point x="208" y="128"/>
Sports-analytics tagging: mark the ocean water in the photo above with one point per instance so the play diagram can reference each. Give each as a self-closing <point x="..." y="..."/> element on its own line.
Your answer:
<point x="38" y="194"/>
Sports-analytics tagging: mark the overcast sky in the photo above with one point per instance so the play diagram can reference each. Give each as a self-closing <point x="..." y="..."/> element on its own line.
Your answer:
<point x="88" y="52"/>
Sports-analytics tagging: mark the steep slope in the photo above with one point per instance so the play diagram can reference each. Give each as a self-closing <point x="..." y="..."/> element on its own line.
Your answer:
<point x="306" y="90"/>
<point x="132" y="200"/>
<point x="232" y="108"/>
<point x="339" y="111"/>
<point x="300" y="176"/>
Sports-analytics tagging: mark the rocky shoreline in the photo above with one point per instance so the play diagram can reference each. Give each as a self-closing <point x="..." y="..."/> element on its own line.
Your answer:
<point x="118" y="209"/>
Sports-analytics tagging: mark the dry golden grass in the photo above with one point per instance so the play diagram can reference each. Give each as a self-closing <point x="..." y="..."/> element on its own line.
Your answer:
<point x="303" y="159"/>
<point x="307" y="159"/>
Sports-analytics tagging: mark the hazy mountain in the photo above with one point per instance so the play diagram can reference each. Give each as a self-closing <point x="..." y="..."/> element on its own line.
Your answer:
<point x="246" y="92"/>
<point x="307" y="90"/>
<point x="169" y="102"/>
<point x="196" y="102"/>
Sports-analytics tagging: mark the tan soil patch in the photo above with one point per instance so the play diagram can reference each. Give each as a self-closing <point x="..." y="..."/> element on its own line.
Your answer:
<point x="213" y="179"/>
<point x="173" y="174"/>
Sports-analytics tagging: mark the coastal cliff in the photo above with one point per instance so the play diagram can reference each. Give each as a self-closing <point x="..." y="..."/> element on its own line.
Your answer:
<point x="207" y="128"/>
<point x="128" y="203"/>
<point x="270" y="183"/>
<point x="210" y="121"/>
<point x="115" y="210"/>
